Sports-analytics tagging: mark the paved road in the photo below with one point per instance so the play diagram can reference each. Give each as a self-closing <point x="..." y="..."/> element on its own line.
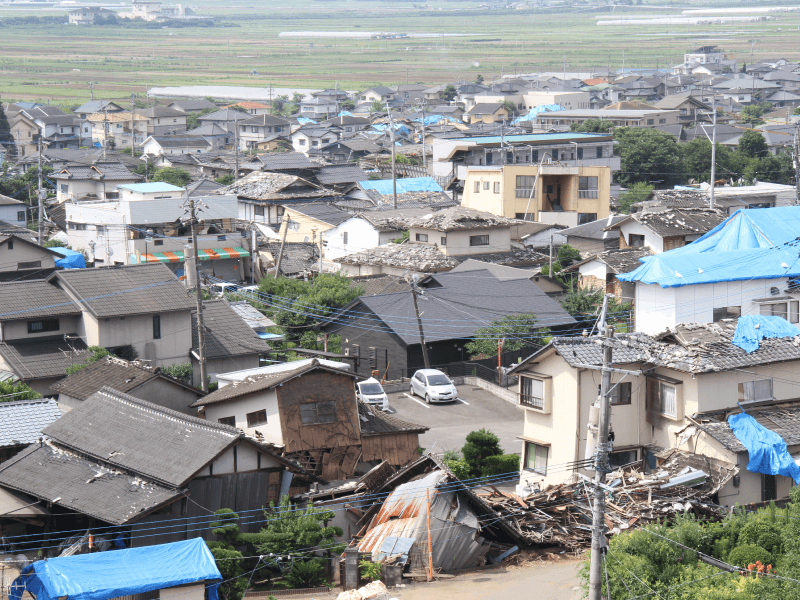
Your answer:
<point x="451" y="422"/>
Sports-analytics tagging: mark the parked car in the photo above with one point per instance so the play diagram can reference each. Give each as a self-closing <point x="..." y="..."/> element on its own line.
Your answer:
<point x="370" y="391"/>
<point x="434" y="386"/>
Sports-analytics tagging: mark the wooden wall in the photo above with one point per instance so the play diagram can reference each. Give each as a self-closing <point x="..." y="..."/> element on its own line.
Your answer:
<point x="397" y="449"/>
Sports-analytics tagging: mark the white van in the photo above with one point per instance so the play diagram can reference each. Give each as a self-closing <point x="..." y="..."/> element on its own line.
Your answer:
<point x="370" y="391"/>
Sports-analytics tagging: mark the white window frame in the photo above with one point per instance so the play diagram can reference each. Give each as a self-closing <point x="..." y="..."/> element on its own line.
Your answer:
<point x="538" y="451"/>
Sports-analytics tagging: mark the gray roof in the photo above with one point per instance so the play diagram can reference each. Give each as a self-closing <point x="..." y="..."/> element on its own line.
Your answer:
<point x="123" y="431"/>
<point x="457" y="218"/>
<point x="224" y="114"/>
<point x="357" y="144"/>
<point x="160" y="111"/>
<point x="95" y="106"/>
<point x="188" y="105"/>
<point x="679" y="221"/>
<point x="251" y="315"/>
<point x="263" y="120"/>
<point x="44" y="357"/>
<point x="346" y="120"/>
<point x="172" y="141"/>
<point x="623" y="260"/>
<point x="202" y="187"/>
<point x="377" y="422"/>
<point x="515" y="257"/>
<point x="211" y="129"/>
<point x="379" y="284"/>
<point x="100" y="171"/>
<point x="7" y="200"/>
<point x="321" y="211"/>
<point x="286" y="160"/>
<point x="226" y="333"/>
<point x="502" y="272"/>
<point x="333" y="174"/>
<point x="596" y="229"/>
<point x="260" y="185"/>
<point x="457" y="309"/>
<point x="661" y="199"/>
<point x="485" y="108"/>
<point x="22" y="421"/>
<point x="417" y="257"/>
<point x="31" y="299"/>
<point x="126" y="290"/>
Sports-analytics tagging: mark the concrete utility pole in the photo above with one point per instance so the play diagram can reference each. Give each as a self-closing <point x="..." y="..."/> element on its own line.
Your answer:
<point x="713" y="151"/>
<point x="105" y="130"/>
<point x="797" y="162"/>
<point x="236" y="149"/>
<point x="39" y="191"/>
<point x="419" y="325"/>
<point x="283" y="243"/>
<point x="424" y="154"/>
<point x="133" y="125"/>
<point x="394" y="171"/>
<point x="253" y="251"/>
<point x="201" y="350"/>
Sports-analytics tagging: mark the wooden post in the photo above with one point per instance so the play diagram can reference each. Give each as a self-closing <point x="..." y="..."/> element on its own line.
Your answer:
<point x="500" y="344"/>
<point x="430" y="550"/>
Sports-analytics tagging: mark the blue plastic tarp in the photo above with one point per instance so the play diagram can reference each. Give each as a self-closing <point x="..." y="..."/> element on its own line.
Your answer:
<point x="306" y="121"/>
<point x="115" y="573"/>
<point x="71" y="260"/>
<point x="767" y="450"/>
<point x="345" y="113"/>
<point x="751" y="329"/>
<point x="399" y="127"/>
<point x="534" y="112"/>
<point x="431" y="119"/>
<point x="407" y="184"/>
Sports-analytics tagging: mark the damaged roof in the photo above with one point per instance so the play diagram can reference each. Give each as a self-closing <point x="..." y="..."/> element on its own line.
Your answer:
<point x="515" y="257"/>
<point x="661" y="199"/>
<point x="783" y="418"/>
<point x="677" y="221"/>
<point x="596" y="230"/>
<point x="22" y="421"/>
<point x="423" y="258"/>
<point x="618" y="261"/>
<point x="261" y="185"/>
<point x="459" y="218"/>
<point x="377" y="422"/>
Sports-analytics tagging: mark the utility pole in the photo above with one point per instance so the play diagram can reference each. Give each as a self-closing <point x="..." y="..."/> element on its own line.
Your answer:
<point x="419" y="325"/>
<point x="105" y="130"/>
<point x="283" y="243"/>
<point x="133" y="125"/>
<point x="91" y="89"/>
<point x="39" y="191"/>
<point x="550" y="272"/>
<point x="601" y="466"/>
<point x="201" y="350"/>
<point x="394" y="172"/>
<point x="424" y="154"/>
<point x="713" y="151"/>
<point x="236" y="149"/>
<point x="253" y="251"/>
<point x="797" y="162"/>
<point x="321" y="233"/>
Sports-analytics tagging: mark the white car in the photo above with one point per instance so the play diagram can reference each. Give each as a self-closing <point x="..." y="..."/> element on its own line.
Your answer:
<point x="370" y="391"/>
<point x="434" y="386"/>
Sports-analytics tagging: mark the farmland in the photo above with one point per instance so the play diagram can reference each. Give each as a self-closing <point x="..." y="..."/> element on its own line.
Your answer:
<point x="57" y="62"/>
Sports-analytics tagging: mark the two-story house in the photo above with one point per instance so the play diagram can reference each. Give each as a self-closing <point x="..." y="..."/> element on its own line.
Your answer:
<point x="550" y="193"/>
<point x="679" y="389"/>
<point x="13" y="212"/>
<point x="312" y="138"/>
<point x="21" y="258"/>
<point x="78" y="182"/>
<point x="310" y="410"/>
<point x="97" y="106"/>
<point x="261" y="128"/>
<point x="162" y="120"/>
<point x="123" y="127"/>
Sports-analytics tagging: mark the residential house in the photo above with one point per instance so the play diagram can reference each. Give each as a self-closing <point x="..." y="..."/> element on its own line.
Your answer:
<point x="77" y="182"/>
<point x="130" y="377"/>
<point x="63" y="131"/>
<point x="380" y="330"/>
<point x="230" y="343"/>
<point x="21" y="258"/>
<point x="202" y="187"/>
<point x="621" y="117"/>
<point x="568" y="99"/>
<point x="13" y="212"/>
<point x="777" y="139"/>
<point x="311" y="411"/>
<point x="22" y="422"/>
<point x="550" y="193"/>
<point x="88" y="14"/>
<point x="162" y="120"/>
<point x="225" y="117"/>
<point x="340" y="177"/>
<point x="368" y="230"/>
<point x="460" y="230"/>
<point x="97" y="106"/>
<point x="347" y="123"/>
<point x="260" y="129"/>
<point x="126" y="464"/>
<point x="487" y="113"/>
<point x="599" y="272"/>
<point x="165" y="145"/>
<point x="455" y="156"/>
<point x="311" y="138"/>
<point x="784" y="98"/>
<point x="395" y="259"/>
<point x="217" y="136"/>
<point x="122" y="128"/>
<point x="680" y="387"/>
<point x="660" y="200"/>
<point x="380" y="93"/>
<point x="192" y="105"/>
<point x="349" y="150"/>
<point x="666" y="229"/>
<point x="537" y="235"/>
<point x="319" y="108"/>
<point x="549" y="285"/>
<point x="310" y="222"/>
<point x="252" y="108"/>
<point x="594" y="237"/>
<point x="690" y="110"/>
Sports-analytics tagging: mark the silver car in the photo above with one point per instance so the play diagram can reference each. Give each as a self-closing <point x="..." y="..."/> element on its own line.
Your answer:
<point x="434" y="386"/>
<point x="371" y="392"/>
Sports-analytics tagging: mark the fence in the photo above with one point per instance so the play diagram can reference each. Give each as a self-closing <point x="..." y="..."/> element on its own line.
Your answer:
<point x="484" y="368"/>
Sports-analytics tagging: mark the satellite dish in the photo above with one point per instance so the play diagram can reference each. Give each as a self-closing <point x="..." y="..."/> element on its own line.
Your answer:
<point x="110" y="251"/>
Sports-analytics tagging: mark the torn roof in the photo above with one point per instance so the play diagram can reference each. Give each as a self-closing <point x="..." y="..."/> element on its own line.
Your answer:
<point x="515" y="257"/>
<point x="431" y="200"/>
<point x="781" y="417"/>
<point x="618" y="261"/>
<point x="261" y="185"/>
<point x="423" y="258"/>
<point x="459" y="218"/>
<point x="596" y="230"/>
<point x="677" y="221"/>
<point x="684" y="198"/>
<point x="377" y="422"/>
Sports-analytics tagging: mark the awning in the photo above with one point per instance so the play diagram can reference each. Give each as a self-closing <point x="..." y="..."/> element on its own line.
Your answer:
<point x="208" y="254"/>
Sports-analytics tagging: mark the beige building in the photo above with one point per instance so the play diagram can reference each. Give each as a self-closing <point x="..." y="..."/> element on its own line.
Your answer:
<point x="568" y="100"/>
<point x="550" y="193"/>
<point x="651" y="117"/>
<point x="460" y="231"/>
<point x="679" y="400"/>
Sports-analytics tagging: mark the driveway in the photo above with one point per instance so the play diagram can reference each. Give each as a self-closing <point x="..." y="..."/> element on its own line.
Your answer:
<point x="451" y="422"/>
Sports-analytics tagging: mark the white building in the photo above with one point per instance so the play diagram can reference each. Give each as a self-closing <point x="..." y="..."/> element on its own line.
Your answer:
<point x="13" y="211"/>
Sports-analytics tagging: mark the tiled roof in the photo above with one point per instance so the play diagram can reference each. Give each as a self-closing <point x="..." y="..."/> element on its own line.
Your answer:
<point x="259" y="383"/>
<point x="333" y="174"/>
<point x="595" y="229"/>
<point x="515" y="257"/>
<point x="30" y="299"/>
<point x="431" y="200"/>
<point x="161" y="111"/>
<point x="226" y="333"/>
<point x="677" y="222"/>
<point x="286" y="160"/>
<point x="225" y="114"/>
<point x="783" y="419"/>
<point x="262" y="120"/>
<point x="321" y="211"/>
<point x="43" y="357"/>
<point x="200" y="104"/>
<point x="297" y="257"/>
<point x="379" y="284"/>
<point x="172" y="141"/>
<point x="485" y="108"/>
<point x="126" y="290"/>
<point x="273" y="186"/>
<point x="376" y="422"/>
<point x="22" y="421"/>
<point x="251" y="315"/>
<point x="619" y="261"/>
<point x="458" y="218"/>
<point x="122" y="375"/>
<point x="54" y="473"/>
<point x="22" y="232"/>
<point x="419" y="257"/>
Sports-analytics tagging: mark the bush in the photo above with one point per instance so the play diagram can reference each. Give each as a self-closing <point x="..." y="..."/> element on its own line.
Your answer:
<point x="460" y="468"/>
<point x="501" y="464"/>
<point x="370" y="570"/>
<point x="761" y="533"/>
<point x="306" y="574"/>
<point x="747" y="554"/>
<point x="182" y="372"/>
<point x="480" y="445"/>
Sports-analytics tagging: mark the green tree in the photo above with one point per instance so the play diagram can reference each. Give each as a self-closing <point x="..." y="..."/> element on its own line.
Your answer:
<point x="347" y="105"/>
<point x="55" y="243"/>
<point x="511" y="327"/>
<point x="479" y="79"/>
<point x="377" y="106"/>
<point x="172" y="175"/>
<point x="587" y="301"/>
<point x="638" y="192"/>
<point x="225" y="179"/>
<point x="648" y="154"/>
<point x="97" y="352"/>
<point x="6" y="138"/>
<point x="193" y="118"/>
<point x="593" y="126"/>
<point x="449" y="93"/>
<point x="480" y="445"/>
<point x="181" y="372"/>
<point x="752" y="114"/>
<point x="278" y="104"/>
<point x="10" y="391"/>
<point x="752" y="144"/>
<point x="290" y="529"/>
<point x="510" y="107"/>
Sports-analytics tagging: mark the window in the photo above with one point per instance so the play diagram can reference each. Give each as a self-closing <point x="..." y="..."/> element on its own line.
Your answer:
<point x="156" y="327"/>
<point x="344" y="238"/>
<point x="254" y="419"/>
<point x="443" y="241"/>
<point x="20" y="215"/>
<point x="244" y="129"/>
<point x="486" y="185"/>
<point x="318" y="412"/>
<point x="65" y="187"/>
<point x="254" y="129"/>
<point x="158" y="242"/>
<point x="222" y="238"/>
<point x="794" y="311"/>
<point x="43" y="325"/>
<point x="524" y="186"/>
<point x="620" y="393"/>
<point x="227" y="421"/>
<point x="477" y="186"/>
<point x="373" y="358"/>
<point x="651" y="121"/>
<point x="636" y="240"/>
<point x="587" y="187"/>
<point x="662" y="397"/>
<point x="579" y="151"/>
<point x="532" y="393"/>
<point x="278" y="129"/>
<point x="510" y="157"/>
<point x="662" y="121"/>
<point x="496" y="187"/>
<point x="536" y="457"/>
<point x="100" y="229"/>
<point x="258" y="211"/>
<point x="301" y="142"/>
<point x="755" y="391"/>
<point x="778" y="309"/>
<point x="479" y="240"/>
<point x="31" y="264"/>
<point x="620" y="459"/>
<point x="422" y="237"/>
<point x="599" y="152"/>
<point x="10" y="244"/>
<point x="727" y="312"/>
<point x="584" y="218"/>
<point x="534" y="156"/>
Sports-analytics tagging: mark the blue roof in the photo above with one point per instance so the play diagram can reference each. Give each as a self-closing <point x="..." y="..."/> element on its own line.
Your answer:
<point x="148" y="188"/>
<point x="72" y="259"/>
<point x="409" y="184"/>
<point x="537" y="137"/>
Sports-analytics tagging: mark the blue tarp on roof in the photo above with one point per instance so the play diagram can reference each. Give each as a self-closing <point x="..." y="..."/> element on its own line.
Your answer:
<point x="675" y="269"/>
<point x="751" y="329"/>
<point x="71" y="260"/>
<point x="431" y="119"/>
<point x="398" y="127"/>
<point x="767" y="450"/>
<point x="534" y="112"/>
<point x="306" y="121"/>
<point x="115" y="573"/>
<point x="408" y="184"/>
<point x="345" y="113"/>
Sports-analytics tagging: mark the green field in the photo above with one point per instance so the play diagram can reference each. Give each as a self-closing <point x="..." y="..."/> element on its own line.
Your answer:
<point x="56" y="62"/>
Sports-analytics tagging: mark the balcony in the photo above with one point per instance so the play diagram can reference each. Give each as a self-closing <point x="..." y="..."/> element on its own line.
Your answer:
<point x="531" y="401"/>
<point x="587" y="194"/>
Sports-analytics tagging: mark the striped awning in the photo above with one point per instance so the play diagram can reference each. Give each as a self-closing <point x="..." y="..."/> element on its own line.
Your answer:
<point x="209" y="254"/>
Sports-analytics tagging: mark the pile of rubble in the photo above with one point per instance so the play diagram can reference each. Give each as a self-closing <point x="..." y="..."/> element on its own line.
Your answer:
<point x="562" y="514"/>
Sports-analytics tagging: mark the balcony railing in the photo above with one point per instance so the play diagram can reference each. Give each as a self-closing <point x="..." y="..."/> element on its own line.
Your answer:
<point x="531" y="401"/>
<point x="523" y="192"/>
<point x="587" y="193"/>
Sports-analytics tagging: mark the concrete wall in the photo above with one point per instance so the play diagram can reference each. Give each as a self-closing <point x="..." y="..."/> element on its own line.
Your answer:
<point x="21" y="252"/>
<point x="239" y="408"/>
<point x="361" y="235"/>
<point x="18" y="330"/>
<point x="137" y="331"/>
<point x="10" y="213"/>
<point x="457" y="243"/>
<point x="651" y="240"/>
